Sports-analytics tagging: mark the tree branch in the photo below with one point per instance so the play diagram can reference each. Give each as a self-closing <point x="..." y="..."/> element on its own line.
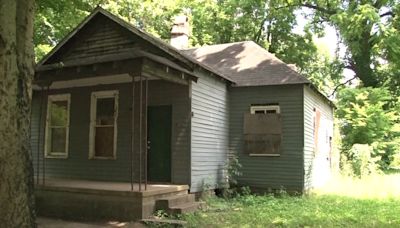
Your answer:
<point x="389" y="13"/>
<point x="308" y="5"/>
<point x="342" y="84"/>
<point x="318" y="8"/>
<point x="257" y="37"/>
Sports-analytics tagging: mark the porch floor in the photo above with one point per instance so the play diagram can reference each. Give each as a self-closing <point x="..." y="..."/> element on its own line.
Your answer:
<point x="106" y="186"/>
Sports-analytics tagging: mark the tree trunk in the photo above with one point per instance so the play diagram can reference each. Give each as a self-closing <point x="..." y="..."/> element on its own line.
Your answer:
<point x="362" y="58"/>
<point x="16" y="72"/>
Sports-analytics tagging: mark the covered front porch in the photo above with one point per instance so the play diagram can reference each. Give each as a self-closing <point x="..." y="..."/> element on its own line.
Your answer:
<point x="121" y="175"/>
<point x="111" y="120"/>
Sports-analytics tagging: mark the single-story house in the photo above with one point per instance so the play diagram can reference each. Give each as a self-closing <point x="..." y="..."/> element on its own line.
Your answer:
<point x="117" y="112"/>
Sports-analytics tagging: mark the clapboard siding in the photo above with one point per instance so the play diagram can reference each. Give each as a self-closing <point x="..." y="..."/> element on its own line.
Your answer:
<point x="77" y="165"/>
<point x="100" y="36"/>
<point x="312" y="100"/>
<point x="210" y="129"/>
<point x="270" y="172"/>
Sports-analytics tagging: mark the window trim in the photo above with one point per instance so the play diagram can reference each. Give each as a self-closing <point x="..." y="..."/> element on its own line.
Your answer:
<point x="254" y="108"/>
<point x="51" y="98"/>
<point x="266" y="107"/>
<point x="93" y="110"/>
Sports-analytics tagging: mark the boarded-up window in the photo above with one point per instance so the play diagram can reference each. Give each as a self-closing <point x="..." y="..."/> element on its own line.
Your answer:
<point x="57" y="126"/>
<point x="103" y="124"/>
<point x="317" y="123"/>
<point x="263" y="131"/>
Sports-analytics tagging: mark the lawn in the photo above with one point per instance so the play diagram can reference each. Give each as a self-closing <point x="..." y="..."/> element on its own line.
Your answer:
<point x="346" y="202"/>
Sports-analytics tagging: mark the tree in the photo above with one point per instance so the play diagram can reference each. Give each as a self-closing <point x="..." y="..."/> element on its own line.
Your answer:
<point x="366" y="119"/>
<point x="16" y="67"/>
<point x="369" y="29"/>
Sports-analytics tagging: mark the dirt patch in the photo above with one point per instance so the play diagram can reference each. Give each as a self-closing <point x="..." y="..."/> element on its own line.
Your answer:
<point x="44" y="222"/>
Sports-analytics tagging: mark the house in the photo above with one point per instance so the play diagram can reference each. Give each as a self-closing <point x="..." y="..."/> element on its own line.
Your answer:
<point x="123" y="122"/>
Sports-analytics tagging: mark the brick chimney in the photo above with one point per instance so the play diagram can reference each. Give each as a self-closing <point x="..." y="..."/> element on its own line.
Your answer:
<point x="180" y="32"/>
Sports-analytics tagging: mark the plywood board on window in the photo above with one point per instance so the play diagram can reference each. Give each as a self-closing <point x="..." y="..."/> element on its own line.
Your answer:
<point x="262" y="143"/>
<point x="262" y="124"/>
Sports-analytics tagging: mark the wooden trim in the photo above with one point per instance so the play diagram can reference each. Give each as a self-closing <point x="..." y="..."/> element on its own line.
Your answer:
<point x="264" y="155"/>
<point x="93" y="108"/>
<point x="50" y="98"/>
<point x="255" y="108"/>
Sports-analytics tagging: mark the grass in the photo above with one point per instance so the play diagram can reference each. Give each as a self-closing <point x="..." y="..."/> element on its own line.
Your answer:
<point x="345" y="202"/>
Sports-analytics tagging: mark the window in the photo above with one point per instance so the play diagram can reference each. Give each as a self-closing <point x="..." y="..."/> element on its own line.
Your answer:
<point x="263" y="130"/>
<point x="103" y="125"/>
<point x="264" y="109"/>
<point x="57" y="126"/>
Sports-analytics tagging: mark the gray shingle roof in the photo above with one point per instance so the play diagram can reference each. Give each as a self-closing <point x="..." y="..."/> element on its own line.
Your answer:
<point x="247" y="64"/>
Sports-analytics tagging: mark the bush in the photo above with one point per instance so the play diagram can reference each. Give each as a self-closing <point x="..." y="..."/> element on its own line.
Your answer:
<point x="364" y="162"/>
<point x="396" y="161"/>
<point x="369" y="116"/>
<point x="232" y="173"/>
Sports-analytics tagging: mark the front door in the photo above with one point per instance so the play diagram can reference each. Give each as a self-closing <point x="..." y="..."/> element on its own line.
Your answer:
<point x="159" y="143"/>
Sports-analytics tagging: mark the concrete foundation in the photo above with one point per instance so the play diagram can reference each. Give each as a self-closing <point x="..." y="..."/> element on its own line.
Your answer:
<point x="79" y="202"/>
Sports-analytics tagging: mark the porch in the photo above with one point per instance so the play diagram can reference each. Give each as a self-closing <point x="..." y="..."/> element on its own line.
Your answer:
<point x="90" y="200"/>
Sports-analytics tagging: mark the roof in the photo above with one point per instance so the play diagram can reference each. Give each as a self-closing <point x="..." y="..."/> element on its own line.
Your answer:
<point x="247" y="64"/>
<point x="186" y="60"/>
<point x="242" y="63"/>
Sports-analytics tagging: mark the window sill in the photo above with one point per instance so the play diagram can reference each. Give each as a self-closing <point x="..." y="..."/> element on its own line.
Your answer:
<point x="102" y="158"/>
<point x="264" y="155"/>
<point x="56" y="156"/>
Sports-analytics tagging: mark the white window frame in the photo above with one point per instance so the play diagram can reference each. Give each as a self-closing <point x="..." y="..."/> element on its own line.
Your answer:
<point x="51" y="98"/>
<point x="93" y="110"/>
<point x="264" y="108"/>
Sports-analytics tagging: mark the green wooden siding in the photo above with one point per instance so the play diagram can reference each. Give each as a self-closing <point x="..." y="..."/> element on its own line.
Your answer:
<point x="210" y="129"/>
<point x="77" y="165"/>
<point x="312" y="100"/>
<point x="270" y="172"/>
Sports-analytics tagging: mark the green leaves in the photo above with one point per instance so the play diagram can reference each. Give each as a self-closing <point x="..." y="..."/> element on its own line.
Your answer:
<point x="370" y="116"/>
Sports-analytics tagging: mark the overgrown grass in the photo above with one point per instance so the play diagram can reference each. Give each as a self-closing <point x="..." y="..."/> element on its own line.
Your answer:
<point x="371" y="202"/>
<point x="375" y="186"/>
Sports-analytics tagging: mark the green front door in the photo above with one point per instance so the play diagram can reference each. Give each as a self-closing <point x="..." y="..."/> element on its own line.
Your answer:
<point x="159" y="143"/>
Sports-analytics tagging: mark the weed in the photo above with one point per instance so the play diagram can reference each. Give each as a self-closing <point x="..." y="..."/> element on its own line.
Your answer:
<point x="368" y="202"/>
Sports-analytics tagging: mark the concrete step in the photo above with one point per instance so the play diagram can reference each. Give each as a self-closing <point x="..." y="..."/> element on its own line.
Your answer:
<point x="172" y="201"/>
<point x="185" y="208"/>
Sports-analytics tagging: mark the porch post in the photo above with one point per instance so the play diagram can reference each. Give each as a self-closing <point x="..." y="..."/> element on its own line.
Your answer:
<point x="132" y="130"/>
<point x="39" y="133"/>
<point x="140" y="132"/>
<point x="44" y="159"/>
<point x="145" y="134"/>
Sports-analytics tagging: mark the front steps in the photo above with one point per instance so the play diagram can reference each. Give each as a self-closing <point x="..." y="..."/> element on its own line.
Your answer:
<point x="178" y="204"/>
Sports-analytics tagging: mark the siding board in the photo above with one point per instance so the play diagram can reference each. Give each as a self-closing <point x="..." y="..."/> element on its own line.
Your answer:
<point x="270" y="172"/>
<point x="210" y="130"/>
<point x="312" y="100"/>
<point x="78" y="166"/>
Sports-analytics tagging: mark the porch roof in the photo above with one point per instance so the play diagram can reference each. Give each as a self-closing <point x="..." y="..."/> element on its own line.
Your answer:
<point x="171" y="57"/>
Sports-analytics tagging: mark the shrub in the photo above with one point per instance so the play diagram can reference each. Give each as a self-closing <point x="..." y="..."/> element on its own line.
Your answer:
<point x="369" y="116"/>
<point x="364" y="162"/>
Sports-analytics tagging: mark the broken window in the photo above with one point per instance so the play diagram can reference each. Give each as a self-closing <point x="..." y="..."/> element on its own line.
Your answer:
<point x="57" y="126"/>
<point x="103" y="135"/>
<point x="263" y="130"/>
